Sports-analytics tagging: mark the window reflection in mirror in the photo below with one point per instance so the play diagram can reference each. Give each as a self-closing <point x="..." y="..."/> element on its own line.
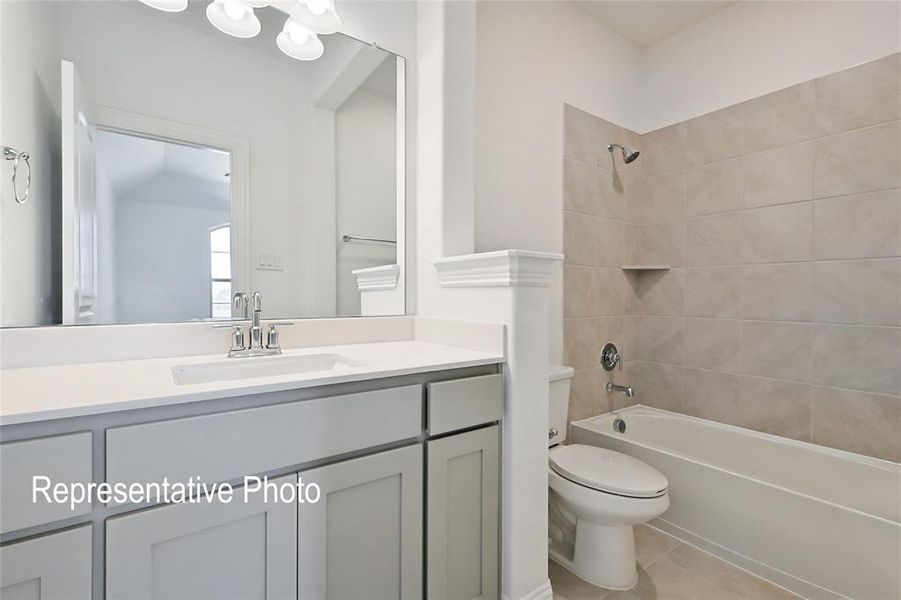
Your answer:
<point x="175" y="166"/>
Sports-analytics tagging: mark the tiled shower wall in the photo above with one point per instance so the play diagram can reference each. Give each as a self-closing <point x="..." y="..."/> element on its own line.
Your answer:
<point x="780" y="218"/>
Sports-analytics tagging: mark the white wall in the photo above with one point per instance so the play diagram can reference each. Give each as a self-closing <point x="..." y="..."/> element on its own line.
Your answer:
<point x="532" y="57"/>
<point x="105" y="237"/>
<point x="753" y="48"/>
<point x="392" y="25"/>
<point x="29" y="121"/>
<point x="169" y="281"/>
<point x="365" y="186"/>
<point x="260" y="96"/>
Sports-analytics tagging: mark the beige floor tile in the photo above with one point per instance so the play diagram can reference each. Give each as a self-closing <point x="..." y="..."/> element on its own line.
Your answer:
<point x="678" y="572"/>
<point x="651" y="544"/>
<point x="714" y="574"/>
<point x="567" y="586"/>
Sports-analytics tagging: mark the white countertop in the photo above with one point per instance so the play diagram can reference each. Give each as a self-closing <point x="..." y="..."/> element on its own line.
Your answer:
<point x="60" y="391"/>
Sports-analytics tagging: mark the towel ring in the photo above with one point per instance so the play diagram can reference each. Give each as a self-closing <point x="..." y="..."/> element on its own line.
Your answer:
<point x="15" y="156"/>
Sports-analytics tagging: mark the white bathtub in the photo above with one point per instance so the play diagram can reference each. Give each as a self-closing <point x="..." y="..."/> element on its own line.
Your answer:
<point x="822" y="523"/>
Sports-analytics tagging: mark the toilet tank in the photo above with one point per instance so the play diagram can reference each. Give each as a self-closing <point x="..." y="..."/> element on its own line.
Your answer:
<point x="559" y="379"/>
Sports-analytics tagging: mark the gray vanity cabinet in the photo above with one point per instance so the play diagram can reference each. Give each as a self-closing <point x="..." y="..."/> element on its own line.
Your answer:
<point x="50" y="567"/>
<point x="363" y="538"/>
<point x="463" y="516"/>
<point x="219" y="550"/>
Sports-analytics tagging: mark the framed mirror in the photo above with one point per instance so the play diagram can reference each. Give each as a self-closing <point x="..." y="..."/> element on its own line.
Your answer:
<point x="174" y="166"/>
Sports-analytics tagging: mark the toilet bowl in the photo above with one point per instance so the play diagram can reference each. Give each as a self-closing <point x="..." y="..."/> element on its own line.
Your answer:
<point x="595" y="498"/>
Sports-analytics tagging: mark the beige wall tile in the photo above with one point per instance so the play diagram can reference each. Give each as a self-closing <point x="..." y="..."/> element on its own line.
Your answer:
<point x="631" y="304"/>
<point x="662" y="243"/>
<point x="859" y="292"/>
<point x="780" y="118"/>
<point x="610" y="330"/>
<point x="713" y="292"/>
<point x="661" y="386"/>
<point x="663" y="150"/>
<point x="713" y="188"/>
<point x="777" y="350"/>
<point x="630" y="243"/>
<point x="857" y="357"/>
<point x="614" y="193"/>
<point x="580" y="186"/>
<point x="587" y="397"/>
<point x="860" y="161"/>
<point x="664" y="198"/>
<point x="713" y="240"/>
<point x="580" y="341"/>
<point x="580" y="239"/>
<point x="662" y="292"/>
<point x="781" y="292"/>
<point x="582" y="135"/>
<point x="856" y="421"/>
<point x="715" y="136"/>
<point x="629" y="346"/>
<point x="778" y="176"/>
<point x="610" y="248"/>
<point x="713" y="344"/>
<point x="861" y="226"/>
<point x="610" y="296"/>
<point x="776" y="407"/>
<point x="660" y="339"/>
<point x="580" y="291"/>
<point x="712" y="395"/>
<point x="858" y="97"/>
<point x="777" y="233"/>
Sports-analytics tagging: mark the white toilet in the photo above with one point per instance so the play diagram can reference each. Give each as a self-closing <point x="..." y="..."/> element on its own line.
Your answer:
<point x="596" y="496"/>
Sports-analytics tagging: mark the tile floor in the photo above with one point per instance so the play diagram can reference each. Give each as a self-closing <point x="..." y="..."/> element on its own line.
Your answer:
<point x="669" y="569"/>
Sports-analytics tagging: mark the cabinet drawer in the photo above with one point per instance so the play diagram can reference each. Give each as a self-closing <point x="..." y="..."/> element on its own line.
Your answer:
<point x="226" y="446"/>
<point x="462" y="403"/>
<point x="63" y="459"/>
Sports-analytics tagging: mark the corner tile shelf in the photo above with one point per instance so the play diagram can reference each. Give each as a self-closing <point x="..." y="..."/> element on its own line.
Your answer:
<point x="646" y="267"/>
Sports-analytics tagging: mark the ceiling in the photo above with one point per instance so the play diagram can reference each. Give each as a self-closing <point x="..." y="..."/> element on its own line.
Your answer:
<point x="131" y="161"/>
<point x="646" y="22"/>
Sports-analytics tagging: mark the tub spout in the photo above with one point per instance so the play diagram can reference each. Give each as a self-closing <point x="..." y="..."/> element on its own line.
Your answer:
<point x="625" y="389"/>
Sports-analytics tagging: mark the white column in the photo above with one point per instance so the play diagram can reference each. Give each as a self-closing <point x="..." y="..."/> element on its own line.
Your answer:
<point x="512" y="287"/>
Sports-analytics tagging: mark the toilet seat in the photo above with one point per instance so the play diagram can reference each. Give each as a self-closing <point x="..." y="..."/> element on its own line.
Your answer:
<point x="607" y="471"/>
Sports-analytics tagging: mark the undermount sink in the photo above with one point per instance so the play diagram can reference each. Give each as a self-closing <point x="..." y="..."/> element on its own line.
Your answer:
<point x="249" y="368"/>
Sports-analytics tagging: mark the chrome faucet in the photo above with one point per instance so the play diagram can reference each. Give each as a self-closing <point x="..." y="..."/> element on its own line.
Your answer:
<point x="242" y="302"/>
<point x="256" y="331"/>
<point x="625" y="389"/>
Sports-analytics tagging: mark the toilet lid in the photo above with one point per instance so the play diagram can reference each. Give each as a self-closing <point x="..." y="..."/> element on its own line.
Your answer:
<point x="607" y="471"/>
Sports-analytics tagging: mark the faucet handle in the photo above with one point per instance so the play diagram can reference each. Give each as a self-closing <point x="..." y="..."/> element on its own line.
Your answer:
<point x="272" y="334"/>
<point x="237" y="336"/>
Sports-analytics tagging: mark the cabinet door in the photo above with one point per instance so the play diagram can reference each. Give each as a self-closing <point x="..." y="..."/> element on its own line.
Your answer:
<point x="51" y="567"/>
<point x="462" y="546"/>
<point x="363" y="539"/>
<point x="214" y="550"/>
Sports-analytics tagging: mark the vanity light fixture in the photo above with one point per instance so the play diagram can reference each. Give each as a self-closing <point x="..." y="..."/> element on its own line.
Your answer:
<point x="167" y="5"/>
<point x="319" y="16"/>
<point x="298" y="42"/>
<point x="235" y="17"/>
<point x="299" y="38"/>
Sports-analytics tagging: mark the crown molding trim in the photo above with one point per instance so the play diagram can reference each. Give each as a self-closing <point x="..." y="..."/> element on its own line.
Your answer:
<point x="501" y="268"/>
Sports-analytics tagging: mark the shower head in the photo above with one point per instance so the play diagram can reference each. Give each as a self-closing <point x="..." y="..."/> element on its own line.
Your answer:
<point x="629" y="154"/>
